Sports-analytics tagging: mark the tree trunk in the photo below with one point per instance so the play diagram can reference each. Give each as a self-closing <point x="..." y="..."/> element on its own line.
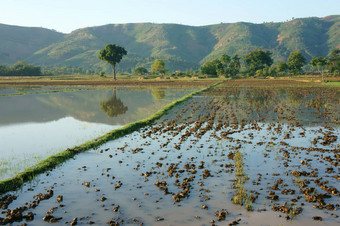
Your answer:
<point x="321" y="72"/>
<point x="114" y="71"/>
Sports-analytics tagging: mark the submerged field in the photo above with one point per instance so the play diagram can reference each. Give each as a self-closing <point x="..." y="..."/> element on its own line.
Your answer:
<point x="42" y="121"/>
<point x="231" y="155"/>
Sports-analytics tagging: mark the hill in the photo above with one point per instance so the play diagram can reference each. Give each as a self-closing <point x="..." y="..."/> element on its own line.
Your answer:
<point x="18" y="43"/>
<point x="182" y="47"/>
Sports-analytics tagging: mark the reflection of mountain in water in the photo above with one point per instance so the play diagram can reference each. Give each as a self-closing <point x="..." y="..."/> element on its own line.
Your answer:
<point x="84" y="105"/>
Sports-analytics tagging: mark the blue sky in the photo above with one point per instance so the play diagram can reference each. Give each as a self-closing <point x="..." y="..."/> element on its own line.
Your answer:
<point x="68" y="15"/>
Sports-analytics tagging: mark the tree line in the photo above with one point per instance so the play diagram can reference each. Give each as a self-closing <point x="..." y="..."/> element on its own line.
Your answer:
<point x="23" y="69"/>
<point x="20" y="69"/>
<point x="255" y="63"/>
<point x="260" y="63"/>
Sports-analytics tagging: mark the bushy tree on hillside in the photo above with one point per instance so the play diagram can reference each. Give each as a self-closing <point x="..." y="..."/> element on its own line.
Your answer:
<point x="112" y="54"/>
<point x="258" y="60"/>
<point x="295" y="61"/>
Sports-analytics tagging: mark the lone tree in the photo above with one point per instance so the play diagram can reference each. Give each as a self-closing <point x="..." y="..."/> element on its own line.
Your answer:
<point x="112" y="54"/>
<point x="158" y="67"/>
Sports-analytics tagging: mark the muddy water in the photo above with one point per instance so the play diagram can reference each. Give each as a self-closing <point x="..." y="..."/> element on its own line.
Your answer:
<point x="181" y="170"/>
<point x="38" y="122"/>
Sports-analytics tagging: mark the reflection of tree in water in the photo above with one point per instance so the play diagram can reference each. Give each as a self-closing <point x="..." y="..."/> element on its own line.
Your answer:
<point x="158" y="94"/>
<point x="113" y="106"/>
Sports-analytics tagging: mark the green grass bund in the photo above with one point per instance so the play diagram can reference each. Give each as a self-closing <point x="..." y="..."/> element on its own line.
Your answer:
<point x="337" y="84"/>
<point x="51" y="162"/>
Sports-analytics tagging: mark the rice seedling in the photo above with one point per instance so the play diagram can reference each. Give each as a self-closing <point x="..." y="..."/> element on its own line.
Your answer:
<point x="241" y="197"/>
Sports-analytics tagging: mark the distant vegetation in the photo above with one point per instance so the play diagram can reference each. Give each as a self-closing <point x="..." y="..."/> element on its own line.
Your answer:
<point x="257" y="63"/>
<point x="23" y="69"/>
<point x="20" y="69"/>
<point x="260" y="63"/>
<point x="69" y="71"/>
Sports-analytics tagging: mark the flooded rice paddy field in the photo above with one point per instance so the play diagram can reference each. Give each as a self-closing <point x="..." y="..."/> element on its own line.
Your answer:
<point x="249" y="156"/>
<point x="41" y="121"/>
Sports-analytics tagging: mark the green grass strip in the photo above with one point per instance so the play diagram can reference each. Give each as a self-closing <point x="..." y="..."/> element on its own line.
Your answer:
<point x="333" y="83"/>
<point x="51" y="162"/>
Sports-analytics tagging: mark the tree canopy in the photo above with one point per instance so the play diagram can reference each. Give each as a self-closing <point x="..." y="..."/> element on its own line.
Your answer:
<point x="158" y="67"/>
<point x="225" y="66"/>
<point x="258" y="60"/>
<point x="210" y="67"/>
<point x="334" y="61"/>
<point x="140" y="71"/>
<point x="295" y="61"/>
<point x="282" y="67"/>
<point x="112" y="54"/>
<point x="20" y="69"/>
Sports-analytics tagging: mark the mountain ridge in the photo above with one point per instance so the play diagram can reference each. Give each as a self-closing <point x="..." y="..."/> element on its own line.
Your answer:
<point x="181" y="46"/>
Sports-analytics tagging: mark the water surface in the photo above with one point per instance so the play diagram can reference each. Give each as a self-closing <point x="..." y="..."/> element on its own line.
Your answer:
<point x="38" y="122"/>
<point x="189" y="150"/>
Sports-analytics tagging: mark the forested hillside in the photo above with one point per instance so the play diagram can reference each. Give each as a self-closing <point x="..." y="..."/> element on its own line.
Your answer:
<point x="181" y="47"/>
